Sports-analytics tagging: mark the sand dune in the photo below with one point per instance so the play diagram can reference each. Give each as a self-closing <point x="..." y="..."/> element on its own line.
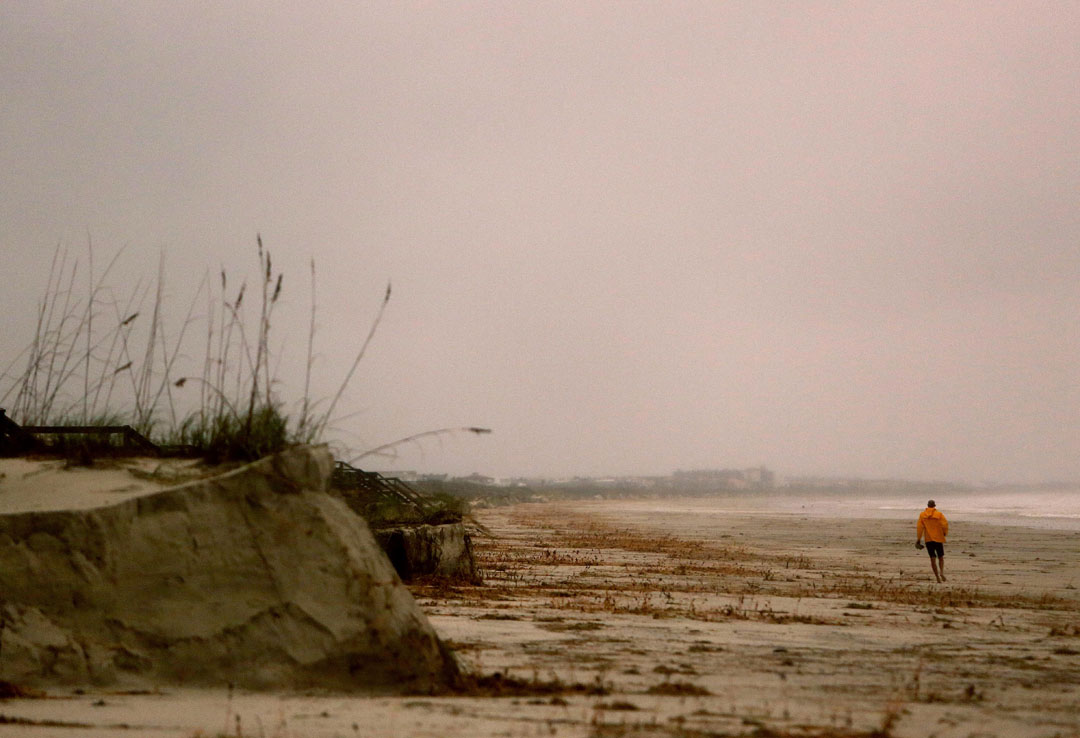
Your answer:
<point x="256" y="577"/>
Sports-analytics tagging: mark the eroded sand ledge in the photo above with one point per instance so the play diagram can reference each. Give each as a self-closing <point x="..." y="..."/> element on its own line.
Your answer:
<point x="257" y="577"/>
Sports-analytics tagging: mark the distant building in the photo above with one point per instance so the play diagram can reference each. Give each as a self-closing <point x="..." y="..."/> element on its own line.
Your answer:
<point x="476" y="478"/>
<point x="405" y="476"/>
<point x="760" y="477"/>
<point x="717" y="479"/>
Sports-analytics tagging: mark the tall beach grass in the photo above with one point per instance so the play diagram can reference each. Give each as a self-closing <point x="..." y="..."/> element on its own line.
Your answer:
<point x="103" y="356"/>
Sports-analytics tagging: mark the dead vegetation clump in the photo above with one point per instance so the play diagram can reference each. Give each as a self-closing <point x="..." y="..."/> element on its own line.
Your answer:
<point x="617" y="706"/>
<point x="447" y="589"/>
<point x="9" y="691"/>
<point x="28" y="722"/>
<point x="583" y="533"/>
<point x="676" y="729"/>
<point x="678" y="689"/>
<point x="1065" y="630"/>
<point x="504" y="685"/>
<point x="900" y="592"/>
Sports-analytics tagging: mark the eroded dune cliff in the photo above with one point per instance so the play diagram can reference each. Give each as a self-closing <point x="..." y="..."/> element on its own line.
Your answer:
<point x="256" y="577"/>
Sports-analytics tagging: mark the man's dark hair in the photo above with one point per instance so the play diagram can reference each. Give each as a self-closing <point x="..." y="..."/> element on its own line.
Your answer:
<point x="930" y="503"/>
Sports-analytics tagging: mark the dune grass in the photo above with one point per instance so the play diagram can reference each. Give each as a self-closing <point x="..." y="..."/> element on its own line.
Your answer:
<point x="102" y="357"/>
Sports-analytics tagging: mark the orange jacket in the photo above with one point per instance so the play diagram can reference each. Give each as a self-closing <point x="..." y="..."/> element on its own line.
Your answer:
<point x="933" y="525"/>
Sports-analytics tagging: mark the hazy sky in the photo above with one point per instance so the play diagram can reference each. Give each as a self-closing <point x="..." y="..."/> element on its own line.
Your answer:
<point x="631" y="237"/>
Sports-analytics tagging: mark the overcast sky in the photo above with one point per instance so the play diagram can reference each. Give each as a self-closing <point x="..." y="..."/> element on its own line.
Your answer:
<point x="630" y="237"/>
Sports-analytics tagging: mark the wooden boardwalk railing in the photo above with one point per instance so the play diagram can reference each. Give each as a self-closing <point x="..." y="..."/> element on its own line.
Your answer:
<point x="13" y="439"/>
<point x="349" y="478"/>
<point x="18" y="438"/>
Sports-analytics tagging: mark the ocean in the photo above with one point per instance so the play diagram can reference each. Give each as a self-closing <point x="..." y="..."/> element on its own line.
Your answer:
<point x="1052" y="509"/>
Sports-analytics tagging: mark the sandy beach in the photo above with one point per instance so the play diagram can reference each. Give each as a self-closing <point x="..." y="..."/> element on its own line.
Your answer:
<point x="642" y="618"/>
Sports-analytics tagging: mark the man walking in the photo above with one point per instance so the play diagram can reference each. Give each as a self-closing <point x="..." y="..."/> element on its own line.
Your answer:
<point x="933" y="525"/>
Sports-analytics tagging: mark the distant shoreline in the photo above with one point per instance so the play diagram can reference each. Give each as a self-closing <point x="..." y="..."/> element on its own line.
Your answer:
<point x="1035" y="510"/>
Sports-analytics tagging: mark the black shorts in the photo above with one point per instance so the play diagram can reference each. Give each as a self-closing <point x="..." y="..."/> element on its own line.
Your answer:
<point x="935" y="548"/>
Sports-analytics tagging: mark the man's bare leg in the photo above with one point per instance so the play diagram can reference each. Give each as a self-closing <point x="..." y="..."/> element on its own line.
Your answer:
<point x="941" y="567"/>
<point x="933" y="565"/>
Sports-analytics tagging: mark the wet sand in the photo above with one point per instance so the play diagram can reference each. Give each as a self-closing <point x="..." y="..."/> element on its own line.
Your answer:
<point x="630" y="618"/>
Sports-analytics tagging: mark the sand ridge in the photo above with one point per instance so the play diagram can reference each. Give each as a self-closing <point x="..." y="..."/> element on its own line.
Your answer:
<point x="38" y="485"/>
